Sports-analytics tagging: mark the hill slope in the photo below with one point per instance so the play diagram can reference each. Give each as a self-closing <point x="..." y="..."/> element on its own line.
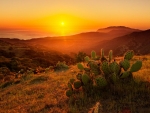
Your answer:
<point x="137" y="41"/>
<point x="78" y="42"/>
<point x="45" y="93"/>
<point x="117" y="31"/>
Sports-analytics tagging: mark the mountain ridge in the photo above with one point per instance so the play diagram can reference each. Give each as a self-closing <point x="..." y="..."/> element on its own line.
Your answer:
<point x="88" y="41"/>
<point x="137" y="41"/>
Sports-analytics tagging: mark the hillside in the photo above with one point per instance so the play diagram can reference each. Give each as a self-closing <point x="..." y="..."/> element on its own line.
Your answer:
<point x="137" y="41"/>
<point x="117" y="31"/>
<point x="45" y="93"/>
<point x="20" y="56"/>
<point x="74" y="43"/>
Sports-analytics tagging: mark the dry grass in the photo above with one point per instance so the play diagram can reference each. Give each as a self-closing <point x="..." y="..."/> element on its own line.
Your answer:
<point x="144" y="73"/>
<point x="45" y="93"/>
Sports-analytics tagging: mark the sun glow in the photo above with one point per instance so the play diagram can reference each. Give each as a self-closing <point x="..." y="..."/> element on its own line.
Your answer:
<point x="62" y="23"/>
<point x="65" y="24"/>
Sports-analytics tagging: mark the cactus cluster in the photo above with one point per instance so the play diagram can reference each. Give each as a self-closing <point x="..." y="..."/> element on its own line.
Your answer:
<point x="102" y="72"/>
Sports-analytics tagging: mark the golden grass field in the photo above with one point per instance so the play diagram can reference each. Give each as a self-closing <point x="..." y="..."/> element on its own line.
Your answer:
<point x="45" y="92"/>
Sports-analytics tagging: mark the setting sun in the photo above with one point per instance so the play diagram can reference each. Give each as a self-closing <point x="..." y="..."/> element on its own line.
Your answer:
<point x="62" y="23"/>
<point x="50" y="18"/>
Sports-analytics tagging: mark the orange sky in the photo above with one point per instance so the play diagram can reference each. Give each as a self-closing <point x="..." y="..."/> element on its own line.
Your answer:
<point x="76" y="15"/>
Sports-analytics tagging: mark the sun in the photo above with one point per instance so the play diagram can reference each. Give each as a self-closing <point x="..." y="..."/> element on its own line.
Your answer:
<point x="62" y="23"/>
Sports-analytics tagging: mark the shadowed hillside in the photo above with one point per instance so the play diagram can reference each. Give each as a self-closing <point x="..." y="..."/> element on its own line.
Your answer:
<point x="19" y="56"/>
<point x="122" y="30"/>
<point x="75" y="43"/>
<point x="137" y="41"/>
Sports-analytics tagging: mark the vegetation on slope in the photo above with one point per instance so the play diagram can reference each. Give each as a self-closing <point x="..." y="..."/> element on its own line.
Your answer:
<point x="45" y="93"/>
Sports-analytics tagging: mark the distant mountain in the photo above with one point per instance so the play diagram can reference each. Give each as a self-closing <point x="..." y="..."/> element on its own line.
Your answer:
<point x="137" y="41"/>
<point x="116" y="31"/>
<point x="86" y="41"/>
<point x="116" y="28"/>
<point x="74" y="43"/>
<point x="80" y="42"/>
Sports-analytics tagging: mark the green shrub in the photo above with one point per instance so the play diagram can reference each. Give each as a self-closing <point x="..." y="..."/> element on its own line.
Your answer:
<point x="38" y="80"/>
<point x="61" y="66"/>
<point x="80" y="57"/>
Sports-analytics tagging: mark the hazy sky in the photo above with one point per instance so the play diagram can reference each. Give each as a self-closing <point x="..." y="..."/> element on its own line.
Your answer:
<point x="73" y="16"/>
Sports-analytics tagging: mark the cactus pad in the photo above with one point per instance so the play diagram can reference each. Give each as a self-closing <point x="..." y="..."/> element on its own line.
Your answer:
<point x="129" y="55"/>
<point x="87" y="59"/>
<point x="105" y="68"/>
<point x="87" y="69"/>
<point x="114" y="67"/>
<point x="114" y="77"/>
<point x="110" y="55"/>
<point x="70" y="86"/>
<point x="85" y="79"/>
<point x="77" y="84"/>
<point x="101" y="82"/>
<point x="136" y="66"/>
<point x="125" y="64"/>
<point x="102" y="53"/>
<point x="80" y="66"/>
<point x="125" y="74"/>
<point x="94" y="68"/>
<point x="79" y="76"/>
<point x="69" y="93"/>
<point x="72" y="80"/>
<point x="93" y="54"/>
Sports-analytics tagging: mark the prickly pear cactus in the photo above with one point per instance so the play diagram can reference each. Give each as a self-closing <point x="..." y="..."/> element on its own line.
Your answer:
<point x="72" y="80"/>
<point x="125" y="64"/>
<point x="77" y="84"/>
<point x="114" y="78"/>
<point x="102" y="53"/>
<point x="125" y="74"/>
<point x="94" y="68"/>
<point x="93" y="54"/>
<point x="69" y="93"/>
<point x="114" y="67"/>
<point x="87" y="69"/>
<point x="79" y="76"/>
<point x="70" y="86"/>
<point x="80" y="66"/>
<point x="129" y="55"/>
<point x="87" y="59"/>
<point x="100" y="82"/>
<point x="105" y="68"/>
<point x="100" y="73"/>
<point x="136" y="66"/>
<point x="110" y="55"/>
<point x="85" y="79"/>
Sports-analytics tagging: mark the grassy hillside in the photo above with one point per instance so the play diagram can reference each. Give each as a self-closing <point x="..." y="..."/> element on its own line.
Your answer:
<point x="15" y="58"/>
<point x="45" y="93"/>
<point x="37" y="93"/>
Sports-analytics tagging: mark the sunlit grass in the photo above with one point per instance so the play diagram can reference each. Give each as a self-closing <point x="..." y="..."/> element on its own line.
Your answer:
<point x="45" y="93"/>
<point x="144" y="72"/>
<point x="40" y="93"/>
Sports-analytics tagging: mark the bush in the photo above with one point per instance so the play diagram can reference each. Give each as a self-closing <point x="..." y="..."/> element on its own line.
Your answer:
<point x="61" y="66"/>
<point x="80" y="57"/>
